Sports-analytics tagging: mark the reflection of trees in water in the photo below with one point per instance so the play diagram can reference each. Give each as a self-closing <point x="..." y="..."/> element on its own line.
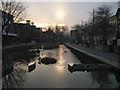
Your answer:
<point x="101" y="77"/>
<point x="22" y="55"/>
<point x="15" y="77"/>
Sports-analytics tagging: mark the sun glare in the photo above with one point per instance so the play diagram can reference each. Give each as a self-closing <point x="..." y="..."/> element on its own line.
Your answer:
<point x="60" y="15"/>
<point x="47" y="25"/>
<point x="61" y="24"/>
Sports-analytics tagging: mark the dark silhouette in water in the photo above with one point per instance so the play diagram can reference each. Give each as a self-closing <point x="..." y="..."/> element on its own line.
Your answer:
<point x="7" y="70"/>
<point x="117" y="76"/>
<point x="35" y="51"/>
<point x="31" y="66"/>
<point x="89" y="67"/>
<point x="48" y="60"/>
<point x="38" y="51"/>
<point x="39" y="60"/>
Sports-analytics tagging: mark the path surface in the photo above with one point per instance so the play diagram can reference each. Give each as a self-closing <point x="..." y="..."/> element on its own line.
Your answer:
<point x="23" y="44"/>
<point x="107" y="57"/>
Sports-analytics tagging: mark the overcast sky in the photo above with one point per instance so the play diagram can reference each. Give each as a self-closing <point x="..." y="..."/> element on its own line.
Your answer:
<point x="68" y="13"/>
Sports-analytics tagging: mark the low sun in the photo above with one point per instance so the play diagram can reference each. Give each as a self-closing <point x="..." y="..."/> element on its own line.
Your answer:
<point x="60" y="15"/>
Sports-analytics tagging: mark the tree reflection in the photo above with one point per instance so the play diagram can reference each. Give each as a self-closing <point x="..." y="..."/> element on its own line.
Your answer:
<point x="14" y="79"/>
<point x="14" y="76"/>
<point x="101" y="77"/>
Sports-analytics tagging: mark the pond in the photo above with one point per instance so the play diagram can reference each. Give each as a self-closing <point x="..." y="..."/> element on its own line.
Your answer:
<point x="57" y="75"/>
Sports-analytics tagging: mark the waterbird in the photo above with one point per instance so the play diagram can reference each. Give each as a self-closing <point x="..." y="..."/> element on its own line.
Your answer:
<point x="65" y="51"/>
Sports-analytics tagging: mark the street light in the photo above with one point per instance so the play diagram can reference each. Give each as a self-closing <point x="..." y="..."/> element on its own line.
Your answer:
<point x="118" y="22"/>
<point x="93" y="45"/>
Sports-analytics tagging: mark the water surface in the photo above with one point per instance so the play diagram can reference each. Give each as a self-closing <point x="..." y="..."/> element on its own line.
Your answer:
<point x="58" y="76"/>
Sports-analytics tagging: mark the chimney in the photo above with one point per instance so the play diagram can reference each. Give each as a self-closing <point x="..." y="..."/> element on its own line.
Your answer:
<point x="28" y="22"/>
<point x="32" y="23"/>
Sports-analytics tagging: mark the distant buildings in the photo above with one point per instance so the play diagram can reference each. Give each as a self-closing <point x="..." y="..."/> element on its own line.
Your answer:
<point x="49" y="36"/>
<point x="18" y="32"/>
<point x="27" y="32"/>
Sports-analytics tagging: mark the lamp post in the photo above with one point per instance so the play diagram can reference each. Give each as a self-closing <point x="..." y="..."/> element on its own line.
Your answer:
<point x="93" y="45"/>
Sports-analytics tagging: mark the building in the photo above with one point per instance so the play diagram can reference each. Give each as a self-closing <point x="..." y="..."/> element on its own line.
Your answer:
<point x="39" y="29"/>
<point x="49" y="36"/>
<point x="115" y="19"/>
<point x="22" y="30"/>
<point x="27" y="32"/>
<point x="118" y="18"/>
<point x="115" y="22"/>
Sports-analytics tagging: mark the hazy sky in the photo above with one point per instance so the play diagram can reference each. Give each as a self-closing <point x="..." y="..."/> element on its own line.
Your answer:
<point x="68" y="13"/>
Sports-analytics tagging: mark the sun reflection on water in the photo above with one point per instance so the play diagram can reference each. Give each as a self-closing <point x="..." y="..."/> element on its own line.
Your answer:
<point x="61" y="62"/>
<point x="60" y="68"/>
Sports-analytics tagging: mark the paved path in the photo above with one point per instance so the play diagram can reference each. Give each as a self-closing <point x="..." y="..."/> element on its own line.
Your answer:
<point x="11" y="46"/>
<point x="107" y="57"/>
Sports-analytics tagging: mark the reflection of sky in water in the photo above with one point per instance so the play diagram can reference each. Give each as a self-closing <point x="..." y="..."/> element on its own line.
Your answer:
<point x="58" y="76"/>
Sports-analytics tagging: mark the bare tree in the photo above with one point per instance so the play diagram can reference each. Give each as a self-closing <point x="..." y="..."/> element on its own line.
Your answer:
<point x="76" y="27"/>
<point x="15" y="10"/>
<point x="102" y="15"/>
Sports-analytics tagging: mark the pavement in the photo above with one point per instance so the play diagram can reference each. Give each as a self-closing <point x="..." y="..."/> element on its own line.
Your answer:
<point x="17" y="45"/>
<point x="107" y="57"/>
